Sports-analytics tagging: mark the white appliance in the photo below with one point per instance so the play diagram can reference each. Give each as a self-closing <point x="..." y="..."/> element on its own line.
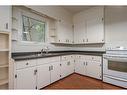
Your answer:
<point x="115" y="67"/>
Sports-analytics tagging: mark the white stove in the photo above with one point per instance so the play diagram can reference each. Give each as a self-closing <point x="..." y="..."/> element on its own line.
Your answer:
<point x="115" y="67"/>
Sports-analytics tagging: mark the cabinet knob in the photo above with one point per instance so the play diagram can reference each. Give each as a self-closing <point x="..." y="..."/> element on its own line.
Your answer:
<point x="27" y="63"/>
<point x="86" y="40"/>
<point x="35" y="72"/>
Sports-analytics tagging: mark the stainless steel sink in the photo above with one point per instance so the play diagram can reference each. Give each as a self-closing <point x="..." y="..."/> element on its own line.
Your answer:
<point x="45" y="54"/>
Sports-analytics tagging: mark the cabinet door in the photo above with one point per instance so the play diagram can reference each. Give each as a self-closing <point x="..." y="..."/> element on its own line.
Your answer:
<point x="43" y="75"/>
<point x="80" y="66"/>
<point x="64" y="32"/>
<point x="26" y="78"/>
<point x="95" y="26"/>
<point x="63" y="69"/>
<point x="70" y="67"/>
<point x="95" y="30"/>
<point x="5" y="18"/>
<point x="55" y="71"/>
<point x="80" y="32"/>
<point x="69" y="33"/>
<point x="94" y="69"/>
<point x="60" y="32"/>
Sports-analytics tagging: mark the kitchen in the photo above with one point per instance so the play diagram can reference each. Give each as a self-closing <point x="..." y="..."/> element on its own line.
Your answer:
<point x="42" y="46"/>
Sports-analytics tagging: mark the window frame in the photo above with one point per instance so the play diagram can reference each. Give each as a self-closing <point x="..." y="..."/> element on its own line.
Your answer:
<point x="37" y="17"/>
<point x="35" y="20"/>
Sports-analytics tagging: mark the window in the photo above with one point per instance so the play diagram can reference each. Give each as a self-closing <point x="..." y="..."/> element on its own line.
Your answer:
<point x="33" y="30"/>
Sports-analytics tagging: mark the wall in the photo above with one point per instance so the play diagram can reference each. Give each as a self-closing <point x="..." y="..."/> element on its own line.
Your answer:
<point x="115" y="29"/>
<point x="54" y="12"/>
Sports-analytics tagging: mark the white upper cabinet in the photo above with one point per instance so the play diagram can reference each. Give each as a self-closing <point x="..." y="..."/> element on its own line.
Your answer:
<point x="5" y="18"/>
<point x="95" y="25"/>
<point x="89" y="26"/>
<point x="64" y="32"/>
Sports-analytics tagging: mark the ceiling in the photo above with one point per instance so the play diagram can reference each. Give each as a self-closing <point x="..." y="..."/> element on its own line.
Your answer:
<point x="76" y="9"/>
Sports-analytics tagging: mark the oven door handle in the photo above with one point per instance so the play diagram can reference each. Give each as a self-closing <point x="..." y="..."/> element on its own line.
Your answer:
<point x="116" y="78"/>
<point x="117" y="59"/>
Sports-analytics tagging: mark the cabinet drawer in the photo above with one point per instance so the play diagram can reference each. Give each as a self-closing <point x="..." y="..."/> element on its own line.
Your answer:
<point x="47" y="60"/>
<point x="25" y="63"/>
<point x="79" y="56"/>
<point x="96" y="58"/>
<point x="67" y="57"/>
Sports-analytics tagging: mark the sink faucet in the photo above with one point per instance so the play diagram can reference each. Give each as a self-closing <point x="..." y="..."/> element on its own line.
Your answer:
<point x="45" y="50"/>
<point x="42" y="51"/>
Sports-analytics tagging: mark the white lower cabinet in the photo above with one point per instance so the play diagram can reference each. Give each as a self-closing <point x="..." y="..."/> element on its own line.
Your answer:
<point x="38" y="73"/>
<point x="26" y="78"/>
<point x="94" y="69"/>
<point x="89" y="66"/>
<point x="47" y="74"/>
<point x="43" y="75"/>
<point x="80" y="66"/>
<point x="67" y="68"/>
<point x="67" y="65"/>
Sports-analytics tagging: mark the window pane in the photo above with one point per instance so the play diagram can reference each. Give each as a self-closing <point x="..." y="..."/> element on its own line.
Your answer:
<point x="33" y="30"/>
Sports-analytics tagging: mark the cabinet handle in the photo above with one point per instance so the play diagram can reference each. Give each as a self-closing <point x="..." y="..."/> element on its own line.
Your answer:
<point x="49" y="68"/>
<point x="84" y="63"/>
<point x="68" y="63"/>
<point x="83" y="40"/>
<point x="35" y="72"/>
<point x="6" y="25"/>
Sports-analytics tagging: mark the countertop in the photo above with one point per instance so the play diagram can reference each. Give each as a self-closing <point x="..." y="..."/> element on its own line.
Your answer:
<point x="35" y="55"/>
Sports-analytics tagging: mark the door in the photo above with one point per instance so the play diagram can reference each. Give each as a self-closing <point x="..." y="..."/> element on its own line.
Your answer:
<point x="55" y="71"/>
<point x="5" y="18"/>
<point x="26" y="78"/>
<point x="115" y="66"/>
<point x="80" y="66"/>
<point x="43" y="75"/>
<point x="94" y="69"/>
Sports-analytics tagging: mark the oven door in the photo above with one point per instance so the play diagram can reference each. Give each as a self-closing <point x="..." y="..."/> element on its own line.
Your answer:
<point x="115" y="66"/>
